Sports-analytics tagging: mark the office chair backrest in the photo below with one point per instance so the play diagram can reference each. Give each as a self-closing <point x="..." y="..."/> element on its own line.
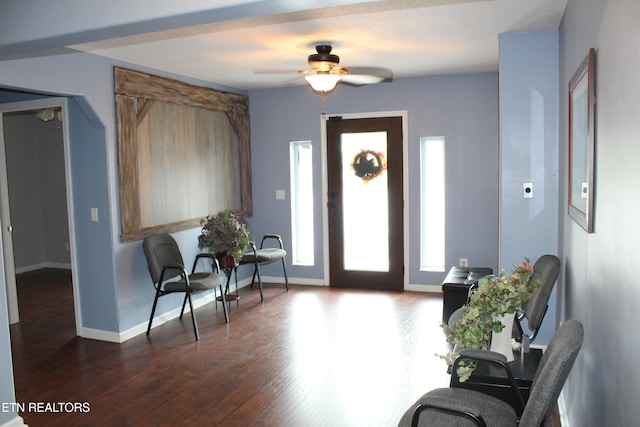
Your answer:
<point x="161" y="250"/>
<point x="546" y="270"/>
<point x="552" y="373"/>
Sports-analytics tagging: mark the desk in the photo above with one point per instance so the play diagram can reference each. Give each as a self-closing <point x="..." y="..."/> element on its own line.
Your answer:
<point x="492" y="381"/>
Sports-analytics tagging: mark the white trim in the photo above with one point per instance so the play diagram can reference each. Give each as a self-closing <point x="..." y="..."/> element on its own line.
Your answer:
<point x="424" y="288"/>
<point x="405" y="182"/>
<point x="141" y="328"/>
<point x="39" y="266"/>
<point x="15" y="422"/>
<point x="294" y="281"/>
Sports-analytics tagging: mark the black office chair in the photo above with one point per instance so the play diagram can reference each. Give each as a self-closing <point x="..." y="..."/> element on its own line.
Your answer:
<point x="164" y="261"/>
<point x="448" y="407"/>
<point x="546" y="270"/>
<point x="264" y="256"/>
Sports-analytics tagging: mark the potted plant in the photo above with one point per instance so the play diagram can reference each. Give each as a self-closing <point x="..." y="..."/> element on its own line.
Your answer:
<point x="225" y="235"/>
<point x="491" y="307"/>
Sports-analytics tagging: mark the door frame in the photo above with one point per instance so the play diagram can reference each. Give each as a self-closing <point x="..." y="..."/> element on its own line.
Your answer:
<point x="405" y="185"/>
<point x="7" y="249"/>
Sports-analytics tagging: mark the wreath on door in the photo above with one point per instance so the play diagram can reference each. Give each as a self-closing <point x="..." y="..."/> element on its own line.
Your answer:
<point x="368" y="164"/>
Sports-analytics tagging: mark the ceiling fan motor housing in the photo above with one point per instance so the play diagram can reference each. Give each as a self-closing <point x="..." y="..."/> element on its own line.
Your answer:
<point x="324" y="60"/>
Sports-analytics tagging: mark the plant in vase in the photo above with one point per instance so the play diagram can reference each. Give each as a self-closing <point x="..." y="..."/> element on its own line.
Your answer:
<point x="494" y="297"/>
<point x="224" y="234"/>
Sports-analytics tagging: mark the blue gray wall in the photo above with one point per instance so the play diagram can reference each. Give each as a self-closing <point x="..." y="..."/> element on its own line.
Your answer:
<point x="600" y="284"/>
<point x="529" y="153"/>
<point x="463" y="109"/>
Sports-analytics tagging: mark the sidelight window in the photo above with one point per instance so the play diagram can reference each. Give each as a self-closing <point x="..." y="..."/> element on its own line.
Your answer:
<point x="432" y="204"/>
<point x="302" y="202"/>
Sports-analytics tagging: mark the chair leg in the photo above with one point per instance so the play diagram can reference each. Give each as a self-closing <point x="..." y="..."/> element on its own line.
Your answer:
<point x="256" y="271"/>
<point x="184" y="303"/>
<point x="153" y="311"/>
<point x="193" y="317"/>
<point x="286" y="279"/>
<point x="253" y="279"/>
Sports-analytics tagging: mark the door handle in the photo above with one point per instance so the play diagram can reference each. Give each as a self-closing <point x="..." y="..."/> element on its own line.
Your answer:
<point x="10" y="228"/>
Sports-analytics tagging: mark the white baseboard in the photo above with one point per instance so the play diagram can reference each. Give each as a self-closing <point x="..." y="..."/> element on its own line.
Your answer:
<point x="15" y="422"/>
<point x="163" y="318"/>
<point x="42" y="265"/>
<point x="293" y="281"/>
<point x="120" y="337"/>
<point x="425" y="288"/>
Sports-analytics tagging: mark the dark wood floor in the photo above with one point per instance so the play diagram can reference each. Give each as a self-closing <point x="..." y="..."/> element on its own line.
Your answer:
<point x="309" y="357"/>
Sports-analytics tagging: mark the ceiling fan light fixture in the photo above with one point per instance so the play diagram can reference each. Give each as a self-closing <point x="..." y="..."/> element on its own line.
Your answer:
<point x="322" y="81"/>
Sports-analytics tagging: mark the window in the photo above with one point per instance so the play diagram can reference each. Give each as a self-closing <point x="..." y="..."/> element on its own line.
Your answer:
<point x="432" y="197"/>
<point x="302" y="202"/>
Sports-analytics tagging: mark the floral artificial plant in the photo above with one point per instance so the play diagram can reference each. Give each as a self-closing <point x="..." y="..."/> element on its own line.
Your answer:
<point x="494" y="297"/>
<point x="224" y="234"/>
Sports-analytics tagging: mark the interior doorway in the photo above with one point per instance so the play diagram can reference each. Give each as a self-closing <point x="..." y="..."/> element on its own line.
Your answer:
<point x="365" y="206"/>
<point x="34" y="205"/>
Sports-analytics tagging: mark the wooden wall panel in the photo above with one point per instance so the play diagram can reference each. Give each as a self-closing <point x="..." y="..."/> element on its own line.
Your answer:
<point x="183" y="153"/>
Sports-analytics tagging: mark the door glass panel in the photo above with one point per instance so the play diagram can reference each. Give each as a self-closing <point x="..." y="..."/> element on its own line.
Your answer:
<point x="365" y="201"/>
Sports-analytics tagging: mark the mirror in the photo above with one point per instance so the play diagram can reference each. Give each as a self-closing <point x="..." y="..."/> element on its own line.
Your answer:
<point x="582" y="142"/>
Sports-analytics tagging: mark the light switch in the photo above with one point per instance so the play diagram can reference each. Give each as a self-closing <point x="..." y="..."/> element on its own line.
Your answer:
<point x="279" y="194"/>
<point x="94" y="214"/>
<point x="527" y="190"/>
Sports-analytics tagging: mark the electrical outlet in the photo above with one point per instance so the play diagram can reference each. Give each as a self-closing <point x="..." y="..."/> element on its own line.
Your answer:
<point x="464" y="262"/>
<point x="280" y="194"/>
<point x="527" y="190"/>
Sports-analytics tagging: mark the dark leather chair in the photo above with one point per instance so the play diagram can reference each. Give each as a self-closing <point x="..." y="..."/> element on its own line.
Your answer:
<point x="263" y="256"/>
<point x="165" y="263"/>
<point x="452" y="406"/>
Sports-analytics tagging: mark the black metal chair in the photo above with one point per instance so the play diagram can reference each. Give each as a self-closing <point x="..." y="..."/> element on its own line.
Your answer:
<point x="462" y="407"/>
<point x="263" y="256"/>
<point x="164" y="261"/>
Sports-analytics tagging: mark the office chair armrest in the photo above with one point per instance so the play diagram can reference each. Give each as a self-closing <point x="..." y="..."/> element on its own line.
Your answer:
<point x="447" y="405"/>
<point x="181" y="271"/>
<point x="493" y="358"/>
<point x="272" y="236"/>
<point x="214" y="261"/>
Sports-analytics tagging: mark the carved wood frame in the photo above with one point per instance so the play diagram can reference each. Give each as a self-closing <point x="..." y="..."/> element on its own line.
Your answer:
<point x="135" y="92"/>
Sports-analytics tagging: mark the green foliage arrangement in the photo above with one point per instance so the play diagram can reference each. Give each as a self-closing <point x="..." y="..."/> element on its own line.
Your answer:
<point x="224" y="234"/>
<point x="494" y="297"/>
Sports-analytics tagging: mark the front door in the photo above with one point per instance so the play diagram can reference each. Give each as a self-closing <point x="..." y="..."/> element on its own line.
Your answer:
<point x="365" y="203"/>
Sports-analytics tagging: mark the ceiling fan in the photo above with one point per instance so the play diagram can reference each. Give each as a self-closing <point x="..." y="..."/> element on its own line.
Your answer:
<point x="325" y="73"/>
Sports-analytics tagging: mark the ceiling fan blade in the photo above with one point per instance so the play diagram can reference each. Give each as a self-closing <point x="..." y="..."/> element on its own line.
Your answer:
<point x="358" y="76"/>
<point x="279" y="71"/>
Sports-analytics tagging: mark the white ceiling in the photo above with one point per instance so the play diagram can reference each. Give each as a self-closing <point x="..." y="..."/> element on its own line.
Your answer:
<point x="410" y="37"/>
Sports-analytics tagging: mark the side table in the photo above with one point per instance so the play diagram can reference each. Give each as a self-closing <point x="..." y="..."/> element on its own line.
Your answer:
<point x="225" y="296"/>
